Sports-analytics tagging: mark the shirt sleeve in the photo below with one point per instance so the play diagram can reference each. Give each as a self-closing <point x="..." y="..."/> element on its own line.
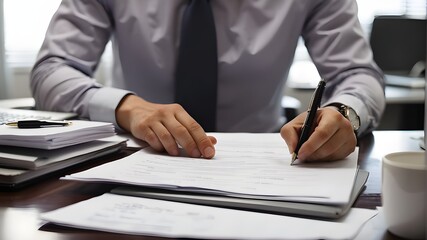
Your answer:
<point x="339" y="49"/>
<point x="62" y="77"/>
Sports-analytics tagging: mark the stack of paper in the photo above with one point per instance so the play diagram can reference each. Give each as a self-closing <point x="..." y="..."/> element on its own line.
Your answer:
<point x="246" y="165"/>
<point x="32" y="158"/>
<point x="55" y="137"/>
<point x="20" y="166"/>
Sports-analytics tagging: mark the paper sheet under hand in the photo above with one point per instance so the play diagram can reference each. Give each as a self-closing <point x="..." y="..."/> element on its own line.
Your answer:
<point x="141" y="216"/>
<point x="245" y="165"/>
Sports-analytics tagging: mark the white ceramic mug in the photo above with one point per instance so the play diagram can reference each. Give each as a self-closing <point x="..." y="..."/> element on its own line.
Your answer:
<point x="404" y="193"/>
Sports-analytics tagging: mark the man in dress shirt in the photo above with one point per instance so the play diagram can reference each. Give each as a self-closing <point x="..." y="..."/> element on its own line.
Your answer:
<point x="256" y="42"/>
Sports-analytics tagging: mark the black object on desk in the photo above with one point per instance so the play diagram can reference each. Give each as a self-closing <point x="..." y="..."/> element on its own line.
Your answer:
<point x="309" y="120"/>
<point x="38" y="123"/>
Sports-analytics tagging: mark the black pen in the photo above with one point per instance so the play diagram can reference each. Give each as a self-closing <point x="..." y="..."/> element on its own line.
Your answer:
<point x="309" y="119"/>
<point x="38" y="123"/>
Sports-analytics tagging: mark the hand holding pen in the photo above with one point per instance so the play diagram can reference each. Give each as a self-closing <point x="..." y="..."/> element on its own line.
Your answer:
<point x="309" y="120"/>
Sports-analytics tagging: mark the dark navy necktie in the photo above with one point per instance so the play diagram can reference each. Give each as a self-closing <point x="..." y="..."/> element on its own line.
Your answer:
<point x="197" y="67"/>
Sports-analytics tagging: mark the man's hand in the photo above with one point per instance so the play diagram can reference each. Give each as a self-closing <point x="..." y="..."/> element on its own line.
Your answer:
<point x="164" y="126"/>
<point x="332" y="138"/>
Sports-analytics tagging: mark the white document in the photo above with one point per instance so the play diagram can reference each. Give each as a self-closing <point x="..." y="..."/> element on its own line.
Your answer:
<point x="141" y="216"/>
<point x="131" y="141"/>
<point x="375" y="228"/>
<point x="55" y="137"/>
<point x="246" y="165"/>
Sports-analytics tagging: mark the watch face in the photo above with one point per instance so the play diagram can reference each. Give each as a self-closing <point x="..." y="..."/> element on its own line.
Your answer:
<point x="354" y="118"/>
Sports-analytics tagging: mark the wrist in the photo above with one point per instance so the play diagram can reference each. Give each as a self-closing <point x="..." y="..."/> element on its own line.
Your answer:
<point x="123" y="111"/>
<point x="349" y="113"/>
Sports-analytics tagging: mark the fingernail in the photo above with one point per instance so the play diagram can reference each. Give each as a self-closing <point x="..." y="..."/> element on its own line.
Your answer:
<point x="209" y="152"/>
<point x="196" y="153"/>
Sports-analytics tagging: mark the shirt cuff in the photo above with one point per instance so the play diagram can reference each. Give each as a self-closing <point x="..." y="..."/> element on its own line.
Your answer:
<point x="103" y="104"/>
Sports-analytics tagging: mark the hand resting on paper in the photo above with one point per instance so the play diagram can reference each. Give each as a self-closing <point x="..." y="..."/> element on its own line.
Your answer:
<point x="164" y="126"/>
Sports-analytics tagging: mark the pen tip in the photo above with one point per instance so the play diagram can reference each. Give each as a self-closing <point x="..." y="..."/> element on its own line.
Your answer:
<point x="294" y="157"/>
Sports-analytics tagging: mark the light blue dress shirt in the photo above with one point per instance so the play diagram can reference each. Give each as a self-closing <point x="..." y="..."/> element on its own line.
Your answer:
<point x="256" y="46"/>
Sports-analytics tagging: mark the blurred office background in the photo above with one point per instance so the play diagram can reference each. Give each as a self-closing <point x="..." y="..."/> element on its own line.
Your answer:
<point x="23" y="24"/>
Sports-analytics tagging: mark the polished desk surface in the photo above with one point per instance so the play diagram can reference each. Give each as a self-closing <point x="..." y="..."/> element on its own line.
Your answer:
<point x="20" y="209"/>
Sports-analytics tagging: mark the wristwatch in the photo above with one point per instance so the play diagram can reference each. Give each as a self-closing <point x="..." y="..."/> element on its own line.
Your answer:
<point x="349" y="113"/>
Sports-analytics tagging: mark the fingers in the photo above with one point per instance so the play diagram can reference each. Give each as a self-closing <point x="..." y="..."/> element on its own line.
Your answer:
<point x="328" y="143"/>
<point x="291" y="131"/>
<point x="213" y="140"/>
<point x="164" y="140"/>
<point x="192" y="136"/>
<point x="332" y="139"/>
<point x="166" y="127"/>
<point x="151" y="138"/>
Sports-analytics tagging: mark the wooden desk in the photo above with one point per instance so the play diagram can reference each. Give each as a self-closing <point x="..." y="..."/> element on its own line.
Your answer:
<point x="19" y="210"/>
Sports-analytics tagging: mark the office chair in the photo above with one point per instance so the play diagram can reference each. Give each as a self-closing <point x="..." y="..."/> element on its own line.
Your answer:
<point x="399" y="44"/>
<point x="399" y="48"/>
<point x="290" y="107"/>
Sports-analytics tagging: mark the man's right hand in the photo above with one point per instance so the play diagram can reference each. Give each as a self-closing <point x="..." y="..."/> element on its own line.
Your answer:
<point x="164" y="126"/>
